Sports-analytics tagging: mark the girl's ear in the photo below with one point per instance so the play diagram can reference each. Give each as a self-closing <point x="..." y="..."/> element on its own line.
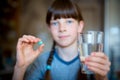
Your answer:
<point x="81" y="27"/>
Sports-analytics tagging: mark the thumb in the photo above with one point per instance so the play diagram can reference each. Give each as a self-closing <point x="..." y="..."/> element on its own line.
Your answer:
<point x="39" y="50"/>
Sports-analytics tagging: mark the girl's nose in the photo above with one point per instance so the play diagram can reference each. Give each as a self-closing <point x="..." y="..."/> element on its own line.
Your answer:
<point x="62" y="28"/>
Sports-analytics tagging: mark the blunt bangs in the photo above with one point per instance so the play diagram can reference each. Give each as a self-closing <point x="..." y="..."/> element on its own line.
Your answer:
<point x="63" y="9"/>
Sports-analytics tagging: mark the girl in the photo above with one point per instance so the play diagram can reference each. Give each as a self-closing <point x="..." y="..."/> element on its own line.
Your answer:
<point x="62" y="62"/>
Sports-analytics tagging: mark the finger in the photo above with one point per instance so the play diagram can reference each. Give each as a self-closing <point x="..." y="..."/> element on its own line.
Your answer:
<point x="97" y="60"/>
<point x="40" y="49"/>
<point x="99" y="54"/>
<point x="35" y="39"/>
<point x="31" y="39"/>
<point x="98" y="71"/>
<point x="102" y="56"/>
<point x="99" y="66"/>
<point x="21" y="41"/>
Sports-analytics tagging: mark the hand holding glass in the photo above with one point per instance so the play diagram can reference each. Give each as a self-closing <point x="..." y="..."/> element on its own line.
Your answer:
<point x="91" y="41"/>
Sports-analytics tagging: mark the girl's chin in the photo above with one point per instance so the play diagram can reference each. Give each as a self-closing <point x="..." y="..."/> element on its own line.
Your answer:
<point x="64" y="45"/>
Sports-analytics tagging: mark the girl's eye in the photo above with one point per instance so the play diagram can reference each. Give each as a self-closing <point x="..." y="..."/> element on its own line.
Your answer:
<point x="69" y="21"/>
<point x="54" y="23"/>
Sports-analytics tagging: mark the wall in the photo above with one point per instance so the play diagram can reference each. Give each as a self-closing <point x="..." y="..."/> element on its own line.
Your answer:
<point x="112" y="36"/>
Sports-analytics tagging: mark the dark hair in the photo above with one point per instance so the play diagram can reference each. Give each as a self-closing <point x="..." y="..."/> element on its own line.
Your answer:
<point x="63" y="9"/>
<point x="49" y="61"/>
<point x="60" y="9"/>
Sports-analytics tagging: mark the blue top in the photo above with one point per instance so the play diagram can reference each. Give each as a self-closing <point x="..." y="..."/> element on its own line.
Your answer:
<point x="60" y="69"/>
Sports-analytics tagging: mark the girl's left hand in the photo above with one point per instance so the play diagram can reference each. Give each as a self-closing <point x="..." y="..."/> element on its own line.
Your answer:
<point x="99" y="63"/>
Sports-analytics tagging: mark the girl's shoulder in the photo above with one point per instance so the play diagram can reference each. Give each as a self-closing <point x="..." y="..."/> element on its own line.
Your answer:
<point x="40" y="61"/>
<point x="38" y="66"/>
<point x="43" y="57"/>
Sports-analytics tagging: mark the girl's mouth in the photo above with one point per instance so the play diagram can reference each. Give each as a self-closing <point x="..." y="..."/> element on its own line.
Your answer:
<point x="63" y="36"/>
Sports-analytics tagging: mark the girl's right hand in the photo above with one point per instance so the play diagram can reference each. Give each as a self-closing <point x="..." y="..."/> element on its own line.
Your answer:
<point x="25" y="52"/>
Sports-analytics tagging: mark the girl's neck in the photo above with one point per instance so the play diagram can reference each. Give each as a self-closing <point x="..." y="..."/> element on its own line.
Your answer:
<point x="68" y="53"/>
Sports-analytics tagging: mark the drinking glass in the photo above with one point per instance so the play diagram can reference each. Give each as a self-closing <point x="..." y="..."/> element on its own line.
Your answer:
<point x="88" y="42"/>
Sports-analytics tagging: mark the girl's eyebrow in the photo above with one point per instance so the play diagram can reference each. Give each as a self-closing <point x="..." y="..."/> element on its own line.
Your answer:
<point x="53" y="21"/>
<point x="69" y="18"/>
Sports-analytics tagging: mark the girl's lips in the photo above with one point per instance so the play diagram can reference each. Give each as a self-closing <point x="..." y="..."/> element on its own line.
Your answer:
<point x="63" y="37"/>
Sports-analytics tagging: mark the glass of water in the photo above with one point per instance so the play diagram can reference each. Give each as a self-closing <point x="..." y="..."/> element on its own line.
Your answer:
<point x="88" y="42"/>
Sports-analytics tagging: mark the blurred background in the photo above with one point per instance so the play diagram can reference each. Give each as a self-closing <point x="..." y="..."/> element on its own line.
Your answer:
<point x="19" y="17"/>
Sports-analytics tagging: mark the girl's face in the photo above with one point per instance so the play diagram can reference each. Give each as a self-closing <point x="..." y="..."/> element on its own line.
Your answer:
<point x="65" y="31"/>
